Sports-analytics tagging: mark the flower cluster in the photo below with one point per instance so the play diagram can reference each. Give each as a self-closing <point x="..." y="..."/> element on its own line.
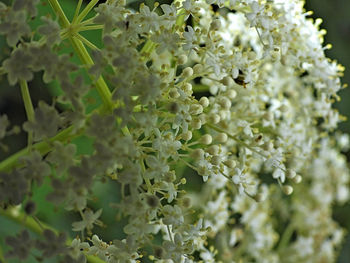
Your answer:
<point x="239" y="93"/>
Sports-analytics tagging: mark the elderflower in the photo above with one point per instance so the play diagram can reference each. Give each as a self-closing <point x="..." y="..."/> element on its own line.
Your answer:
<point x="213" y="131"/>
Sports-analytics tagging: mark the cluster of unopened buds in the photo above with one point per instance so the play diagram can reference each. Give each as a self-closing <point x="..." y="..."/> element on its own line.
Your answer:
<point x="215" y="135"/>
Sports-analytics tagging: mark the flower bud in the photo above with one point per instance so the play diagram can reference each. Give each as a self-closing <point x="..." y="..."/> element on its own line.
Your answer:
<point x="227" y="81"/>
<point x="187" y="136"/>
<point x="187" y="72"/>
<point x="297" y="179"/>
<point x="188" y="89"/>
<point x="197" y="154"/>
<point x="225" y="103"/>
<point x="290" y="173"/>
<point x="213" y="150"/>
<point x="197" y="69"/>
<point x="213" y="118"/>
<point x="182" y="59"/>
<point x="215" y="160"/>
<point x="196" y="109"/>
<point x="196" y="123"/>
<point x="204" y="101"/>
<point x="230" y="163"/>
<point x="206" y="139"/>
<point x="287" y="189"/>
<point x="221" y="137"/>
<point x="231" y="94"/>
<point x="173" y="93"/>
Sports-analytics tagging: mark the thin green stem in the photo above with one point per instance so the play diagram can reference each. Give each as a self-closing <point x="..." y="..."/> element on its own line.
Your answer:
<point x="77" y="10"/>
<point x="28" y="105"/>
<point x="57" y="8"/>
<point x="85" y="41"/>
<point x="82" y="53"/>
<point x="287" y="234"/>
<point x="37" y="227"/>
<point x="92" y="27"/>
<point x="200" y="88"/>
<point x="2" y="258"/>
<point x="87" y="21"/>
<point x="86" y="10"/>
<point x="101" y="85"/>
<point x="43" y="147"/>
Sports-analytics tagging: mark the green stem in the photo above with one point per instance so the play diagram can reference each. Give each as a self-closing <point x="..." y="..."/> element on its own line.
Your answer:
<point x="284" y="240"/>
<point x="38" y="227"/>
<point x="28" y="105"/>
<point x="82" y="53"/>
<point x="101" y="85"/>
<point x="77" y="9"/>
<point x="85" y="41"/>
<point x="43" y="147"/>
<point x="92" y="27"/>
<point x="2" y="258"/>
<point x="200" y="88"/>
<point x="86" y="10"/>
<point x="57" y="8"/>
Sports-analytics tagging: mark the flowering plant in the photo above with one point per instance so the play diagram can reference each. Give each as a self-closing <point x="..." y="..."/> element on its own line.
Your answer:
<point x="215" y="135"/>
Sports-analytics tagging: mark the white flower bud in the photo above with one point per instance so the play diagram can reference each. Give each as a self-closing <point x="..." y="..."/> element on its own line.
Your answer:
<point x="197" y="154"/>
<point x="227" y="81"/>
<point x="215" y="160"/>
<point x="213" y="150"/>
<point x="221" y="137"/>
<point x="182" y="59"/>
<point x="290" y="173"/>
<point x="173" y="93"/>
<point x="268" y="146"/>
<point x="283" y="108"/>
<point x="196" y="109"/>
<point x="287" y="189"/>
<point x="230" y="163"/>
<point x="223" y="114"/>
<point x="206" y="139"/>
<point x="187" y="136"/>
<point x="204" y="101"/>
<point x="231" y="94"/>
<point x="213" y="118"/>
<point x="187" y="88"/>
<point x="197" y="69"/>
<point x="187" y="72"/>
<point x="196" y="123"/>
<point x="268" y="116"/>
<point x="203" y="119"/>
<point x="225" y="103"/>
<point x="297" y="179"/>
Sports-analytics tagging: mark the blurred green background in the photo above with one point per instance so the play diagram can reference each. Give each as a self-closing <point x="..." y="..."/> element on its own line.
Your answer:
<point x="336" y="20"/>
<point x="336" y="17"/>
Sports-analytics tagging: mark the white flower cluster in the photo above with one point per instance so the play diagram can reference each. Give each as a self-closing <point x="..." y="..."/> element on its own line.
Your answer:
<point x="240" y="92"/>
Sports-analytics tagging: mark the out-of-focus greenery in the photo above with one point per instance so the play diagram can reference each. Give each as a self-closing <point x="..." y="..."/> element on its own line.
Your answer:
<point x="336" y="17"/>
<point x="336" y="20"/>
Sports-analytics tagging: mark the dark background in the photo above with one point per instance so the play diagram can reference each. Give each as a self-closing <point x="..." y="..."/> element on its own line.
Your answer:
<point x="336" y="20"/>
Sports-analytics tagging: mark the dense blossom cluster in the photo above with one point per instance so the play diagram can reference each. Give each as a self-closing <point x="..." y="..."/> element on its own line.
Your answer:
<point x="239" y="92"/>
